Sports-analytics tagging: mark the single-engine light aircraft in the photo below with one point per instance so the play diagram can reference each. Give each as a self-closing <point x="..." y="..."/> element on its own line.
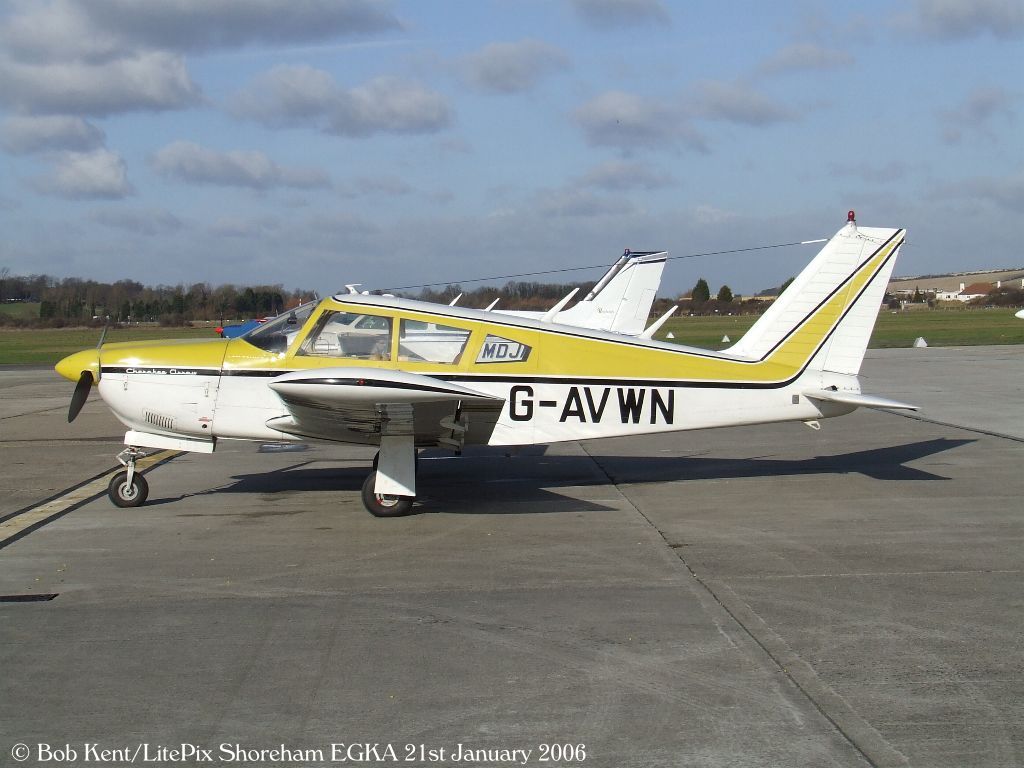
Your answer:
<point x="403" y="374"/>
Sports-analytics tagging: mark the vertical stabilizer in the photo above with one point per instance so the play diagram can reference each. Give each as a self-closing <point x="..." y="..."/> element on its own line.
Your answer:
<point x="853" y="267"/>
<point x="624" y="302"/>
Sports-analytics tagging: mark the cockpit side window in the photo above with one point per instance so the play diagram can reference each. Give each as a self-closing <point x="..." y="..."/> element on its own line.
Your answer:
<point x="349" y="335"/>
<point x="276" y="335"/>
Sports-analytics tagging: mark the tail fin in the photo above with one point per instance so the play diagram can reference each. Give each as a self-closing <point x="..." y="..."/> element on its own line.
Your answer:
<point x="621" y="301"/>
<point x="853" y="267"/>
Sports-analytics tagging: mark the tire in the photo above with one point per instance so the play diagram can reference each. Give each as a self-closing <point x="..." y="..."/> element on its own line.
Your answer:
<point x="124" y="495"/>
<point x="384" y="506"/>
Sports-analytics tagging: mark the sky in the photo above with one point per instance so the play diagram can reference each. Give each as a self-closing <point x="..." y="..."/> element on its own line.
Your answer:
<point x="314" y="143"/>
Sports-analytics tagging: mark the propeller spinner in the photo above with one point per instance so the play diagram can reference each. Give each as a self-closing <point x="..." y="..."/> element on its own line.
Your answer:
<point x="84" y="369"/>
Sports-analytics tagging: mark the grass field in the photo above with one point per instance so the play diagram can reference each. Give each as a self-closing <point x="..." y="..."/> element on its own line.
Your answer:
<point x="940" y="328"/>
<point x="47" y="346"/>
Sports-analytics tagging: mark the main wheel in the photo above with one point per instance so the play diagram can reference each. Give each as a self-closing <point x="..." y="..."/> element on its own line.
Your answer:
<point x="124" y="494"/>
<point x="384" y="505"/>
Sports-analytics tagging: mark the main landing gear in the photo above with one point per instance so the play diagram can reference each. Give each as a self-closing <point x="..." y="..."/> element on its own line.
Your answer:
<point x="390" y="490"/>
<point x="128" y="488"/>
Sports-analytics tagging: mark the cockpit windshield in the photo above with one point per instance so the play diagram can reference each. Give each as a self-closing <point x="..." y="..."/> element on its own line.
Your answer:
<point x="275" y="335"/>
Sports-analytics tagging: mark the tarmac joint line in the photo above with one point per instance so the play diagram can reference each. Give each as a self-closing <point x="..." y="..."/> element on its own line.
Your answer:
<point x="861" y="735"/>
<point x="25" y="521"/>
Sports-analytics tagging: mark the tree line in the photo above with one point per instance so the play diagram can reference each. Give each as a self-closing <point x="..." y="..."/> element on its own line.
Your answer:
<point x="74" y="301"/>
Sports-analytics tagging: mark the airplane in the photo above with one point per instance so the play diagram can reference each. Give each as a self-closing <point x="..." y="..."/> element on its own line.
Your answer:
<point x="433" y="375"/>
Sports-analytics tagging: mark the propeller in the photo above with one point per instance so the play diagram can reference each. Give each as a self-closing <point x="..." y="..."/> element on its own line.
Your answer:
<point x="81" y="395"/>
<point x="85" y="362"/>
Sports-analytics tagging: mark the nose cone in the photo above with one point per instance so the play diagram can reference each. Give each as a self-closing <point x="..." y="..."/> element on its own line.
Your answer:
<point x="71" y="367"/>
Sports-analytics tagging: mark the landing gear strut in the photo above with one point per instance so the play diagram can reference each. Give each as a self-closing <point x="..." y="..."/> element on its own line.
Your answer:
<point x="390" y="490"/>
<point x="128" y="488"/>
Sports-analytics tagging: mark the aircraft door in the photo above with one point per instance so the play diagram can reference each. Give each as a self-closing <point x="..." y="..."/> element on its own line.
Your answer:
<point x="206" y="405"/>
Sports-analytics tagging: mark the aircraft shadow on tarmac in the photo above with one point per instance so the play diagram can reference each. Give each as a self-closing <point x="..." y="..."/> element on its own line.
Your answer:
<point x="878" y="463"/>
<point x="525" y="483"/>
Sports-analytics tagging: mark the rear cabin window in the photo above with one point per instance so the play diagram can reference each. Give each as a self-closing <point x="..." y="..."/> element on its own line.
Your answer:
<point x="350" y="335"/>
<point x="421" y="342"/>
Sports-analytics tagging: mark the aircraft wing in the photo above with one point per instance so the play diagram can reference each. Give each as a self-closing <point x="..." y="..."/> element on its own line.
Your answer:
<point x="362" y="404"/>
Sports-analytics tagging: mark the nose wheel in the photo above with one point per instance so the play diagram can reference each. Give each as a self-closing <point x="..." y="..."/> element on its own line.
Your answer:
<point x="128" y="488"/>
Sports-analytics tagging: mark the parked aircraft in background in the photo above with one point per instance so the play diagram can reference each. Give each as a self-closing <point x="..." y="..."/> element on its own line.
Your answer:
<point x="424" y="374"/>
<point x="240" y="329"/>
<point x="620" y="301"/>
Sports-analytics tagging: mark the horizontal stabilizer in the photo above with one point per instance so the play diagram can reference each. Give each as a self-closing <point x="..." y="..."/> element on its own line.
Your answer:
<point x="861" y="401"/>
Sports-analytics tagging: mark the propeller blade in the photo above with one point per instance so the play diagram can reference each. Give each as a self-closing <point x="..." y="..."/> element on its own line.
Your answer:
<point x="81" y="395"/>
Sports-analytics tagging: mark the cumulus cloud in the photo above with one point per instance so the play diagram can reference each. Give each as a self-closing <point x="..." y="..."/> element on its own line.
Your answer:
<point x="238" y="227"/>
<point x="100" y="174"/>
<point x="709" y="215"/>
<point x="101" y="57"/>
<point x="512" y="67"/>
<point x="388" y="186"/>
<point x="959" y="19"/>
<point x="619" y="175"/>
<point x="198" y="165"/>
<point x="56" y="30"/>
<point x="628" y="121"/>
<point x="151" y="222"/>
<point x="1003" y="191"/>
<point x="24" y="134"/>
<point x="805" y="56"/>
<point x="871" y="172"/>
<point x="982" y="106"/>
<point x="77" y="29"/>
<point x="611" y="14"/>
<point x="150" y="81"/>
<point x="737" y="103"/>
<point x="301" y="96"/>
<point x="572" y="202"/>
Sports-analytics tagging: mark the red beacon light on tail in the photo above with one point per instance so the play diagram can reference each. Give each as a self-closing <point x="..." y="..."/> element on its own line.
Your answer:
<point x="851" y="217"/>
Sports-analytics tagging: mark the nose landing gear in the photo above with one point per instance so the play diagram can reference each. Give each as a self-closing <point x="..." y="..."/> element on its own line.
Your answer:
<point x="128" y="488"/>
